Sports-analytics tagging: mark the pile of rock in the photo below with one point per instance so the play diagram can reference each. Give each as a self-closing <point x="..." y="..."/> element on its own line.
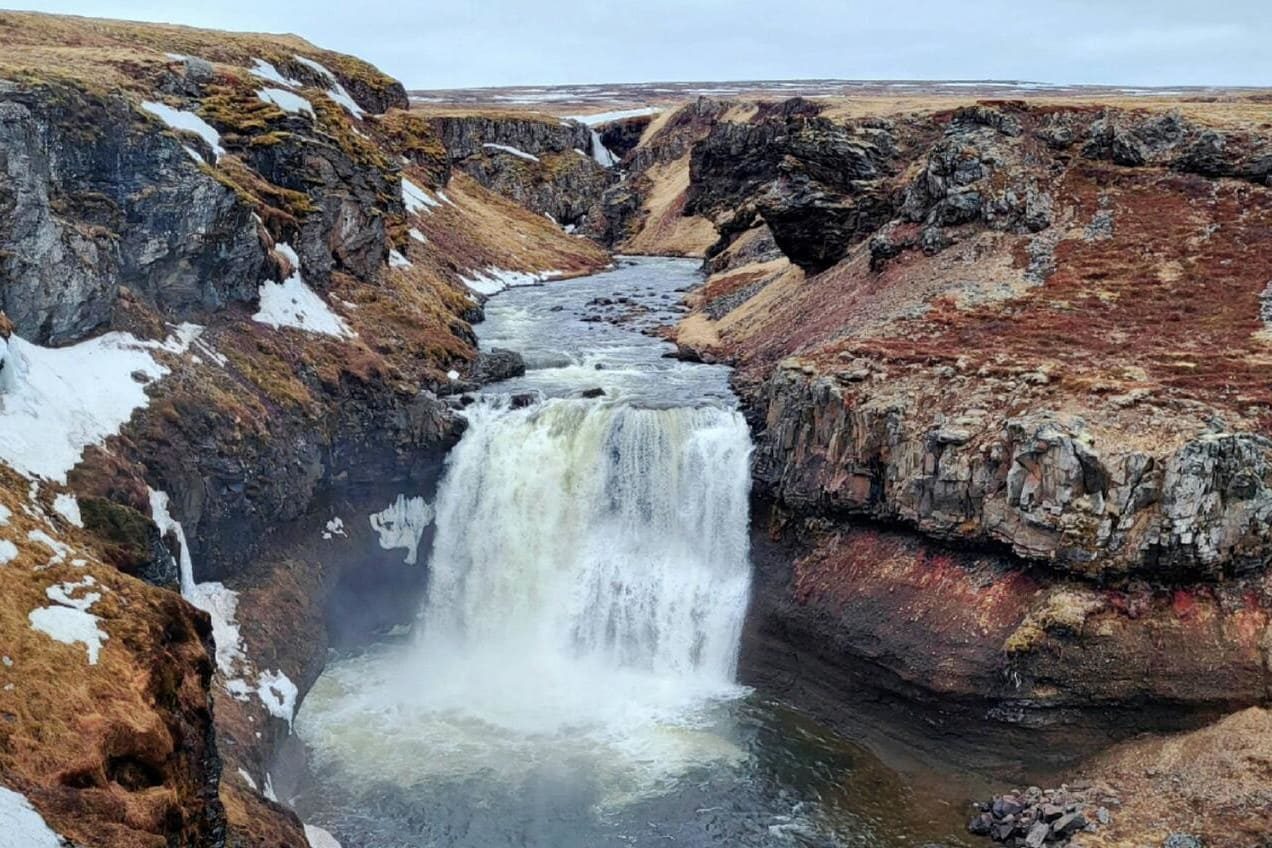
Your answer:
<point x="1033" y="817"/>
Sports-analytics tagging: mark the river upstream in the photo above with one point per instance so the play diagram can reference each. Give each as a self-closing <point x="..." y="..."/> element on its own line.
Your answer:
<point x="570" y="681"/>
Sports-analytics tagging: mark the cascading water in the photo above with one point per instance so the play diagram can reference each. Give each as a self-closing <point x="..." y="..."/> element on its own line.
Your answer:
<point x="597" y="535"/>
<point x="570" y="682"/>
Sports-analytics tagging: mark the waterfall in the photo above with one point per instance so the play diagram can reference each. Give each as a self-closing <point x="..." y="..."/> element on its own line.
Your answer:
<point x="602" y="154"/>
<point x="577" y="534"/>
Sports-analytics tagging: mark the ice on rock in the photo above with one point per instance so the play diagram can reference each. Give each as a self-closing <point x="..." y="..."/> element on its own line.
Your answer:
<point x="401" y="525"/>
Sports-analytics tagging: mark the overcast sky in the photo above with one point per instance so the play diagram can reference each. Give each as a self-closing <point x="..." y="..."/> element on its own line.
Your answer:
<point x="454" y="43"/>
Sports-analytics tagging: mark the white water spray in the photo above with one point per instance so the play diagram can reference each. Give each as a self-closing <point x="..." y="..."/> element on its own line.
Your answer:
<point x="589" y="580"/>
<point x="598" y="534"/>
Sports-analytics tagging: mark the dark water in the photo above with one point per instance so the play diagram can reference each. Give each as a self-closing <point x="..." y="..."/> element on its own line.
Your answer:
<point x="496" y="731"/>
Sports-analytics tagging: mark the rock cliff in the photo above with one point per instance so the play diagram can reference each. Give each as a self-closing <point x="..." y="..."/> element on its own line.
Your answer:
<point x="1003" y="366"/>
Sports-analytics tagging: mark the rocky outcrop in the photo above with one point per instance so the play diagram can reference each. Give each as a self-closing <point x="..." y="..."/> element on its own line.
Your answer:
<point x="466" y="135"/>
<point x="621" y="137"/>
<point x="91" y="199"/>
<point x="1041" y="483"/>
<point x="1006" y="508"/>
<point x="1135" y="140"/>
<point x="545" y="165"/>
<point x="563" y="186"/>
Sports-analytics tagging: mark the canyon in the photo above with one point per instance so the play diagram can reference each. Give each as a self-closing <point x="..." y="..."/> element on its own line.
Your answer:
<point x="1002" y="357"/>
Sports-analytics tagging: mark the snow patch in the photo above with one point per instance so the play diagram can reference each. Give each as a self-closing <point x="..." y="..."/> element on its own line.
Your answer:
<point x="606" y="117"/>
<point x="397" y="260"/>
<point x="269" y="788"/>
<point x="266" y="71"/>
<point x="68" y="507"/>
<point x="63" y="593"/>
<point x="279" y="695"/>
<point x="293" y="104"/>
<point x="337" y="91"/>
<point x="8" y="552"/>
<point x="493" y="280"/>
<point x="416" y="199"/>
<point x="335" y="527"/>
<point x="5" y="515"/>
<point x="186" y="122"/>
<point x="417" y="235"/>
<point x="22" y="827"/>
<point x="247" y="778"/>
<point x="402" y="524"/>
<point x="70" y="621"/>
<point x="292" y="303"/>
<point x="319" y="838"/>
<point x="515" y="151"/>
<point x="60" y="549"/>
<point x="54" y="402"/>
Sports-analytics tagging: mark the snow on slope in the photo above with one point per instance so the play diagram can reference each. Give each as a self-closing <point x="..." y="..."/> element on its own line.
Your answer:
<point x="275" y="690"/>
<point x="416" y="199"/>
<point x="337" y="91"/>
<point x="186" y="122"/>
<point x="21" y="826"/>
<point x="492" y="280"/>
<point x="291" y="103"/>
<point x="292" y="303"/>
<point x="515" y="151"/>
<point x="54" y="402"/>
<point x="69" y="621"/>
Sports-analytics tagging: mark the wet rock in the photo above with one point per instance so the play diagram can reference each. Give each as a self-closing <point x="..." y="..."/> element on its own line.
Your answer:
<point x="1182" y="840"/>
<point x="523" y="399"/>
<point x="497" y="364"/>
<point x="1068" y="824"/>
<point x="1037" y="835"/>
<point x="592" y="393"/>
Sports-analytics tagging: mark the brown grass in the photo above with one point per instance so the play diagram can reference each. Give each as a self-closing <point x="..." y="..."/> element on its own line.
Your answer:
<point x="105" y="54"/>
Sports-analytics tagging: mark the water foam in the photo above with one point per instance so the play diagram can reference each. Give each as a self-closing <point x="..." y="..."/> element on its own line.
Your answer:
<point x="588" y="585"/>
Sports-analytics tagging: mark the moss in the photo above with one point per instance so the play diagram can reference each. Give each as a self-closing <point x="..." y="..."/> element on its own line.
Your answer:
<point x="234" y="108"/>
<point x="266" y="368"/>
<point x="1062" y="611"/>
<point x="124" y="531"/>
<point x="403" y="133"/>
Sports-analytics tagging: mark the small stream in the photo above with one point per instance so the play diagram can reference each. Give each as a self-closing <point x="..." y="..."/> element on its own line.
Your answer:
<point x="570" y="681"/>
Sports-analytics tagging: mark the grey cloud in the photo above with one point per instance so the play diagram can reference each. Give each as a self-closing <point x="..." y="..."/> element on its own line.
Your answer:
<point x="504" y="42"/>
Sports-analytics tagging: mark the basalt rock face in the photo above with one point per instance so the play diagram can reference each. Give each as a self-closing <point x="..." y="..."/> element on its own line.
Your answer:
<point x="1004" y="490"/>
<point x="820" y="186"/>
<point x="466" y="135"/>
<point x="620" y="137"/>
<point x="544" y="165"/>
<point x="1040" y="483"/>
<point x="91" y="198"/>
<point x="564" y="186"/>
